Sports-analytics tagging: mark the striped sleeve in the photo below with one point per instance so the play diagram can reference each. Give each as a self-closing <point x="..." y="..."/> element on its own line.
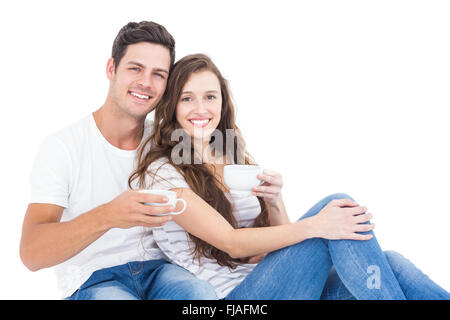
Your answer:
<point x="164" y="176"/>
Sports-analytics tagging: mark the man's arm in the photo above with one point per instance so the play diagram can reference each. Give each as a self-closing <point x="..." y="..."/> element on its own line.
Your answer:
<point x="47" y="242"/>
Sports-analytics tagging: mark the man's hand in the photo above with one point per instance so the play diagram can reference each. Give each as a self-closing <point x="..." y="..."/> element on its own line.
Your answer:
<point x="128" y="210"/>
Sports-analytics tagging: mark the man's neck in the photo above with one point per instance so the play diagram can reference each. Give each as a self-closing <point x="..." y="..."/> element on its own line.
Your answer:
<point x="120" y="130"/>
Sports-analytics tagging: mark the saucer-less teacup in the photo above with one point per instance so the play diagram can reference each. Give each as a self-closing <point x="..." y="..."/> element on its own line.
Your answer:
<point x="241" y="178"/>
<point x="171" y="195"/>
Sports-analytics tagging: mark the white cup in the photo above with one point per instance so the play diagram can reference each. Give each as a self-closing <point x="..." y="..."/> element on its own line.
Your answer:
<point x="171" y="195"/>
<point x="241" y="178"/>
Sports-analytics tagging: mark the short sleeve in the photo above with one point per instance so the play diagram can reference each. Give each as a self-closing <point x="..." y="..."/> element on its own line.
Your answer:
<point x="50" y="174"/>
<point x="162" y="175"/>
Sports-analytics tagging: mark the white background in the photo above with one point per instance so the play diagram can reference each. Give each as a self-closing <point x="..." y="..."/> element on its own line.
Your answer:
<point x="337" y="96"/>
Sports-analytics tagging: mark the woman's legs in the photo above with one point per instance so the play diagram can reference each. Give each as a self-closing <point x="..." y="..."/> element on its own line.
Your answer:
<point x="301" y="271"/>
<point x="414" y="283"/>
<point x="295" y="272"/>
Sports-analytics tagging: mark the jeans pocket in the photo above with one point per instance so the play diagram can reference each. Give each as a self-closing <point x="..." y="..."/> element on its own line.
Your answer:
<point x="136" y="267"/>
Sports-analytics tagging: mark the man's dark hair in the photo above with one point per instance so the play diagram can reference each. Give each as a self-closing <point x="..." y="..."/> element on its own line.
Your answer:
<point x="144" y="31"/>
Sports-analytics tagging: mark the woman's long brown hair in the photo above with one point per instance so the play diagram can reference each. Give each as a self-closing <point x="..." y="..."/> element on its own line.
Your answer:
<point x="200" y="178"/>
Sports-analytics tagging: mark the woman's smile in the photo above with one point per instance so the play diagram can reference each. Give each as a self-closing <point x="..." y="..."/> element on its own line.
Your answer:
<point x="200" y="122"/>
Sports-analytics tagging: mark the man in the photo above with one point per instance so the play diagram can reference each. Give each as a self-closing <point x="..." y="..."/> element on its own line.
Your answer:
<point x="81" y="217"/>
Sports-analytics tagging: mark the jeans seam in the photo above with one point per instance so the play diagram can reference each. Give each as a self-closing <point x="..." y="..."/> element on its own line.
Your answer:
<point x="133" y="275"/>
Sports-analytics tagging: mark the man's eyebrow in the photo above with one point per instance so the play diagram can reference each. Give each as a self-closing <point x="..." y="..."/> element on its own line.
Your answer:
<point x="136" y="63"/>
<point x="162" y="70"/>
<point x="142" y="66"/>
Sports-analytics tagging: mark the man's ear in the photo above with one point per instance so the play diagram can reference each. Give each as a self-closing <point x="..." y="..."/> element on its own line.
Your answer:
<point x="110" y="68"/>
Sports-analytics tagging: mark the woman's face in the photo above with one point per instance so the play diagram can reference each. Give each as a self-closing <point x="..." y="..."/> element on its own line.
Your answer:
<point x="200" y="104"/>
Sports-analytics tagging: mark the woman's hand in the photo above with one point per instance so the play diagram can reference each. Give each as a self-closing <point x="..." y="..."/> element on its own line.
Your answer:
<point x="257" y="258"/>
<point x="342" y="219"/>
<point x="270" y="190"/>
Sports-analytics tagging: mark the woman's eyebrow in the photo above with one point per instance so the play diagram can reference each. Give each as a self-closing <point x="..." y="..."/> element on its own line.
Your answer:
<point x="209" y="91"/>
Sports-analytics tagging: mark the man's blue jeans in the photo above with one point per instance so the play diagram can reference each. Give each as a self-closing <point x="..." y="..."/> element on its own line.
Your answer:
<point x="147" y="280"/>
<point x="336" y="269"/>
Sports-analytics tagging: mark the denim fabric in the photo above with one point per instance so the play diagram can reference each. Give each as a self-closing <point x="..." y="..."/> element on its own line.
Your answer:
<point x="153" y="279"/>
<point x="336" y="269"/>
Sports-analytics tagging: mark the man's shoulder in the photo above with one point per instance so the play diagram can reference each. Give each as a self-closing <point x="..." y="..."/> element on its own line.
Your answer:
<point x="72" y="133"/>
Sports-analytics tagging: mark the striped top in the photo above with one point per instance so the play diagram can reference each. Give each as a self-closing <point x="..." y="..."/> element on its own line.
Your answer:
<point x="175" y="243"/>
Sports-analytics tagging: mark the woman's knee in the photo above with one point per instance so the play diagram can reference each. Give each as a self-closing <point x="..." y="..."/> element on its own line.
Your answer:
<point x="322" y="203"/>
<point x="397" y="262"/>
<point x="335" y="196"/>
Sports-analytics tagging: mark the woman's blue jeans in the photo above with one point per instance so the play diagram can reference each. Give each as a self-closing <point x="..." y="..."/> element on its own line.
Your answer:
<point x="336" y="269"/>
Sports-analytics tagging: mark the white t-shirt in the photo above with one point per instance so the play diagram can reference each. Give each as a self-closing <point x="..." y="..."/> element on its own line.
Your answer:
<point x="176" y="244"/>
<point x="78" y="169"/>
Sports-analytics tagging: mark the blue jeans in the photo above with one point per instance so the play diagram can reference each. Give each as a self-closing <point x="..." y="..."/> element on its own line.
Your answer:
<point x="336" y="269"/>
<point x="146" y="280"/>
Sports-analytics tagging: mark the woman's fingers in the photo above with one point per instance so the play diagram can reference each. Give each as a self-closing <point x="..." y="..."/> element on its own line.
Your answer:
<point x="267" y="189"/>
<point x="364" y="227"/>
<point x="343" y="203"/>
<point x="357" y="236"/>
<point x="271" y="177"/>
<point x="362" y="218"/>
<point x="256" y="259"/>
<point x="266" y="195"/>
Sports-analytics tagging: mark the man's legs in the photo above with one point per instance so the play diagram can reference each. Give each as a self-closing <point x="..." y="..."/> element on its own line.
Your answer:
<point x="172" y="282"/>
<point x="153" y="279"/>
<point x="113" y="283"/>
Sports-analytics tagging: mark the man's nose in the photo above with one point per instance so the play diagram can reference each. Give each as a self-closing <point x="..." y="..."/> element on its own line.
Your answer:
<point x="146" y="81"/>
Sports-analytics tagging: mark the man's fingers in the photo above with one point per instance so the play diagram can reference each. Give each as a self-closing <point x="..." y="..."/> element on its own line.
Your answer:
<point x="148" y="197"/>
<point x="153" y="221"/>
<point x="155" y="210"/>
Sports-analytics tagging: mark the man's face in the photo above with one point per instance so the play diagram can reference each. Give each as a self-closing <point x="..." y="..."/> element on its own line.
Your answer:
<point x="139" y="81"/>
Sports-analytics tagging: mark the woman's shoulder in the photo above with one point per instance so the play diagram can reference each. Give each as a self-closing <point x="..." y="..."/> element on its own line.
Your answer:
<point x="161" y="171"/>
<point x="162" y="163"/>
<point x="159" y="162"/>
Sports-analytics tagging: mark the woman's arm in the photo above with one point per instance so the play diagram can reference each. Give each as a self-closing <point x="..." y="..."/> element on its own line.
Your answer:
<point x="339" y="219"/>
<point x="270" y="190"/>
<point x="204" y="222"/>
<point x="278" y="214"/>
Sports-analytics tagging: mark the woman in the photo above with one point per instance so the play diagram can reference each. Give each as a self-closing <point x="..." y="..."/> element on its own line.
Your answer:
<point x="330" y="253"/>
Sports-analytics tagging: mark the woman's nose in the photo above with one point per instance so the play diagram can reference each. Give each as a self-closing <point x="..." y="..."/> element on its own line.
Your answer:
<point x="200" y="105"/>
